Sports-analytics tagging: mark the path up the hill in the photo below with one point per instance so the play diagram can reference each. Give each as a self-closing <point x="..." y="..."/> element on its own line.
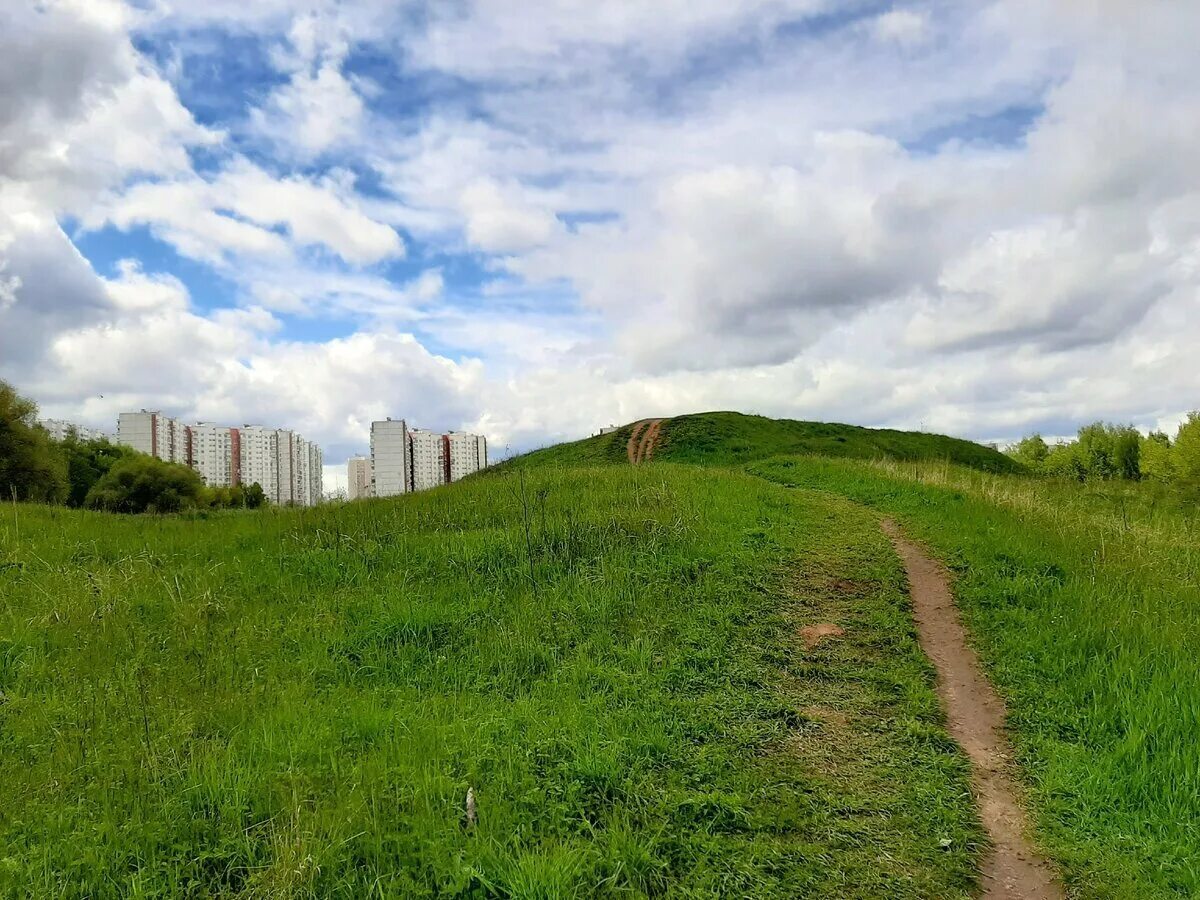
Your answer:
<point x="975" y="718"/>
<point x="643" y="440"/>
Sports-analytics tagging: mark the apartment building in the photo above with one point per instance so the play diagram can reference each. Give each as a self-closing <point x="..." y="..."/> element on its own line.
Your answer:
<point x="427" y="453"/>
<point x="163" y="437"/>
<point x="286" y="466"/>
<point x="217" y="454"/>
<point x="407" y="459"/>
<point x="60" y="430"/>
<point x="358" y="478"/>
<point x="390" y="458"/>
<point x="466" y="453"/>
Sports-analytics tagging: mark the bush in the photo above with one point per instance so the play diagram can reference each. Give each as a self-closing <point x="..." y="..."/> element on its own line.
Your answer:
<point x="140" y="483"/>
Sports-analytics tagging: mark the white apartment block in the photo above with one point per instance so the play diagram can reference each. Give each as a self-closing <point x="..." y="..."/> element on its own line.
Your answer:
<point x="60" y="430"/>
<point x="153" y="433"/>
<point x="286" y="466"/>
<point x="358" y="478"/>
<point x="427" y="454"/>
<point x="390" y="465"/>
<point x="407" y="459"/>
<point x="216" y="454"/>
<point x="467" y="453"/>
<point x="260" y="459"/>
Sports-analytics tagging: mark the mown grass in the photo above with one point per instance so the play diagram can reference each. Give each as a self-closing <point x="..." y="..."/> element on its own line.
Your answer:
<point x="294" y="703"/>
<point x="1085" y="604"/>
<point x="732" y="439"/>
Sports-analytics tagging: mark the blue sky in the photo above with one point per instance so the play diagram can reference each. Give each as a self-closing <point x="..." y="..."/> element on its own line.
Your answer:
<point x="535" y="221"/>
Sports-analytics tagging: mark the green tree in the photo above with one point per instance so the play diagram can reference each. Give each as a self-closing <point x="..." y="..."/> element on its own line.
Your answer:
<point x="1157" y="460"/>
<point x="1030" y="452"/>
<point x="88" y="462"/>
<point x="30" y="466"/>
<point x="255" y="496"/>
<point x="1110" y="451"/>
<point x="140" y="483"/>
<point x="1186" y="452"/>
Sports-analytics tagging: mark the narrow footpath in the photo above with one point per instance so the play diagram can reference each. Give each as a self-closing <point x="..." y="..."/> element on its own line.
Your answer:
<point x="642" y="440"/>
<point x="975" y="718"/>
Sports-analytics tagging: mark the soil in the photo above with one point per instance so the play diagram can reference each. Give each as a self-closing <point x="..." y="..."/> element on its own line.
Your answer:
<point x="643" y="440"/>
<point x="631" y="449"/>
<point x="814" y="634"/>
<point x="975" y="716"/>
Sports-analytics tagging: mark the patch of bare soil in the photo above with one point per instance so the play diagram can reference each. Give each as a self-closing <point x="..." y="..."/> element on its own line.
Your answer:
<point x="975" y="715"/>
<point x="814" y="634"/>
<point x="650" y="441"/>
<point x="631" y="449"/>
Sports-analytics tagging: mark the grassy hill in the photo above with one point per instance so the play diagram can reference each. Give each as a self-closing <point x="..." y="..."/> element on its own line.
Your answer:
<point x="293" y="703"/>
<point x="730" y="438"/>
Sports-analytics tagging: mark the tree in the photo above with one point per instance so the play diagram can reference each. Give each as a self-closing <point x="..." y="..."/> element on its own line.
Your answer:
<point x="1066" y="460"/>
<point x="1030" y="452"/>
<point x="255" y="496"/>
<point x="1156" y="460"/>
<point x="140" y="483"/>
<point x="88" y="462"/>
<point x="1110" y="451"/>
<point x="30" y="467"/>
<point x="1186" y="452"/>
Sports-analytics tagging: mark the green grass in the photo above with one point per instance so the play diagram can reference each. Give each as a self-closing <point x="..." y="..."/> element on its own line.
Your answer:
<point x="730" y="439"/>
<point x="294" y="703"/>
<point x="1085" y="604"/>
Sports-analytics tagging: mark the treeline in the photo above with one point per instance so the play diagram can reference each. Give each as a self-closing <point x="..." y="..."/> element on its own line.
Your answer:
<point x="1103" y="451"/>
<point x="98" y="474"/>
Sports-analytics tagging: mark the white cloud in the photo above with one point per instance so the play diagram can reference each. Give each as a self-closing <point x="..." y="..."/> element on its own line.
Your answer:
<point x="905" y="27"/>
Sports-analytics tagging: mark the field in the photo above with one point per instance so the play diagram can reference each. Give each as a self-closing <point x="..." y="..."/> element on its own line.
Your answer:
<point x="295" y="703"/>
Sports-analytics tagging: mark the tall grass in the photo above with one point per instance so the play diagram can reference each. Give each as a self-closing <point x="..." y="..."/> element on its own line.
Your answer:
<point x="295" y="703"/>
<point x="1085" y="603"/>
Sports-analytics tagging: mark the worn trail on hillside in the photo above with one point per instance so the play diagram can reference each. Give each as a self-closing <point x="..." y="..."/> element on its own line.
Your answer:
<point x="975" y="715"/>
<point x="643" y="440"/>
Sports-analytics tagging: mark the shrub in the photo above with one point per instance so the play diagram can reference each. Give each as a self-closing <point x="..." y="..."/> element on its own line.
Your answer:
<point x="140" y="483"/>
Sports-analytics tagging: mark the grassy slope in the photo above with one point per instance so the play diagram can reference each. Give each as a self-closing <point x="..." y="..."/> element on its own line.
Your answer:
<point x="294" y="703"/>
<point x="1085" y="604"/>
<point x="728" y="438"/>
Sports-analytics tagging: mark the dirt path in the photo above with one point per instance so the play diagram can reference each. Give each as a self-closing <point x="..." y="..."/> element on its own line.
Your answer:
<point x="631" y="449"/>
<point x="975" y="715"/>
<point x="650" y="441"/>
<point x="643" y="440"/>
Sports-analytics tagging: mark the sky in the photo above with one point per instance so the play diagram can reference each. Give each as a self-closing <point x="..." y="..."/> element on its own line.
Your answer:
<point x="535" y="219"/>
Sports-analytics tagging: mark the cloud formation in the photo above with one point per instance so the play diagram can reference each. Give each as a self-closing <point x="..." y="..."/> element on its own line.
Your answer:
<point x="979" y="218"/>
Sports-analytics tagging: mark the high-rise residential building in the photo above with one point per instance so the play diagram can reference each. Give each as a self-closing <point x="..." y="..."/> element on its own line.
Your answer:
<point x="217" y="454"/>
<point x="358" y="478"/>
<point x="286" y="466"/>
<point x="60" y="430"/>
<point x="390" y="458"/>
<point x="466" y="453"/>
<point x="427" y="455"/>
<point x="260" y="459"/>
<point x="153" y="433"/>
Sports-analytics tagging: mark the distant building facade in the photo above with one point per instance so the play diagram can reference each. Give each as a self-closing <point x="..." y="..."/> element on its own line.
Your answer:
<point x="358" y="478"/>
<point x="407" y="459"/>
<point x="163" y="437"/>
<point x="61" y="430"/>
<point x="390" y="460"/>
<point x="287" y="467"/>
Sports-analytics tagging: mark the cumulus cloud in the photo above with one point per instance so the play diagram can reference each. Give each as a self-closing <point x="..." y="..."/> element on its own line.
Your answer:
<point x="980" y="218"/>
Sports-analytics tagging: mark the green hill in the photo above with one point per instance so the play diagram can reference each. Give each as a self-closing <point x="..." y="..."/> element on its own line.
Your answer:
<point x="730" y="438"/>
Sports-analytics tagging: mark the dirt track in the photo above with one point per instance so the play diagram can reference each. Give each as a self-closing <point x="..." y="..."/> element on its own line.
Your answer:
<point x="643" y="440"/>
<point x="975" y="715"/>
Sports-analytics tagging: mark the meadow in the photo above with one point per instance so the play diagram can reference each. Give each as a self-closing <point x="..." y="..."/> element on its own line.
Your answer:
<point x="294" y="703"/>
<point x="1084" y="601"/>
